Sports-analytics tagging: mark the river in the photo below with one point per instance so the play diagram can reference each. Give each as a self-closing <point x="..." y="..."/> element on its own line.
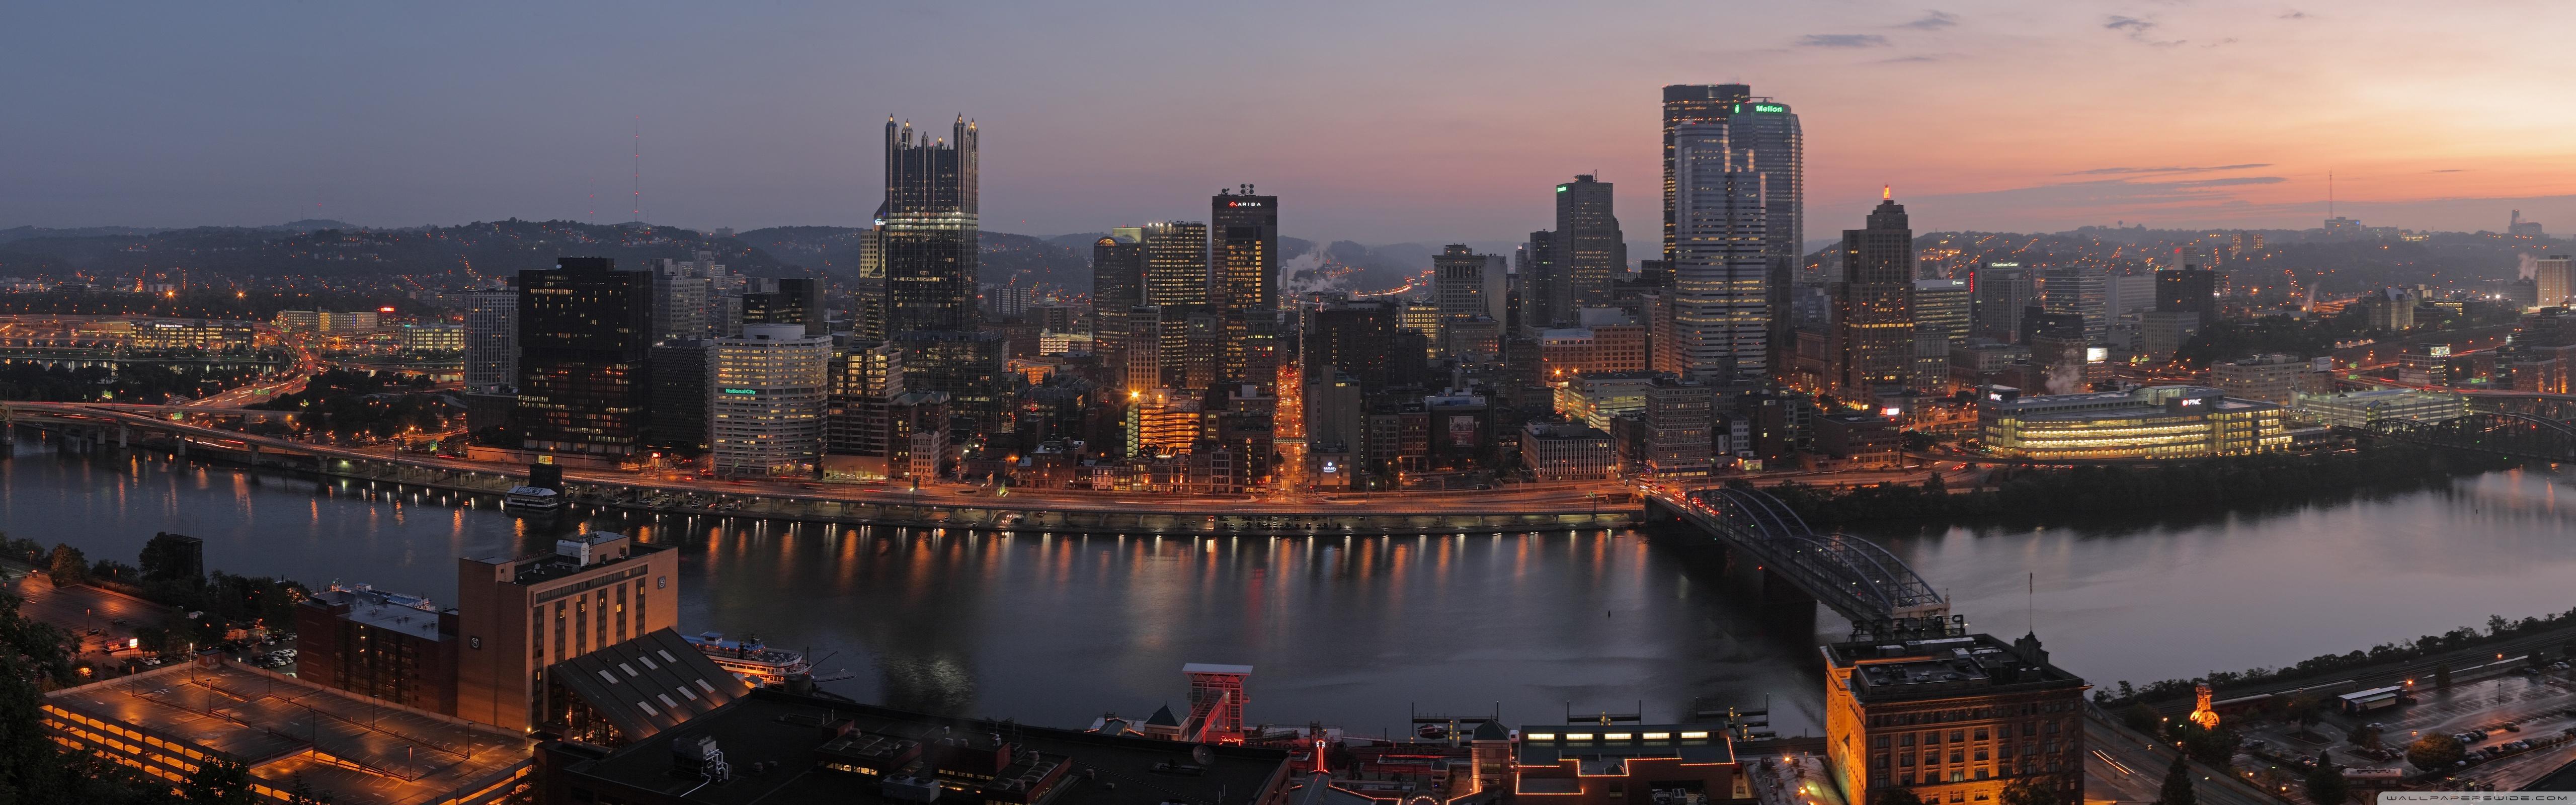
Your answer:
<point x="1357" y="631"/>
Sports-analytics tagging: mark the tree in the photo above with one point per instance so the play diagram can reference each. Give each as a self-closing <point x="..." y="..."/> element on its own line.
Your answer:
<point x="2304" y="710"/>
<point x="67" y="566"/>
<point x="2326" y="785"/>
<point x="2435" y="751"/>
<point x="2215" y="748"/>
<point x="218" y="782"/>
<point x="302" y="794"/>
<point x="2038" y="789"/>
<point x="2177" y="788"/>
<point x="2364" y="736"/>
<point x="2138" y="716"/>
<point x="171" y="558"/>
<point x="1894" y="795"/>
<point x="2442" y="675"/>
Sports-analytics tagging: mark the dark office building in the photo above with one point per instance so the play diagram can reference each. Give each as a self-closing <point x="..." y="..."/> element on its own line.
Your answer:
<point x="968" y="368"/>
<point x="929" y="230"/>
<point x="1535" y="278"/>
<point x="1117" y="287"/>
<point x="584" y="328"/>
<point x="2188" y="290"/>
<point x="1873" y="305"/>
<point x="677" y="420"/>
<point x="1590" y="246"/>
<point x="1354" y="338"/>
<point x="1243" y="253"/>
<point x="794" y="300"/>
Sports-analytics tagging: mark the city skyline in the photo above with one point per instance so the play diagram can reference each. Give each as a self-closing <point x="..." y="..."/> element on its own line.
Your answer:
<point x="2223" y="114"/>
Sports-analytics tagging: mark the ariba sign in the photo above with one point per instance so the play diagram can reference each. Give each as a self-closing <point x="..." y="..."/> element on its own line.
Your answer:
<point x="1243" y="204"/>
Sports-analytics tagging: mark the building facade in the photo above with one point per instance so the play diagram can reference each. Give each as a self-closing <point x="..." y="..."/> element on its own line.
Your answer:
<point x="491" y="340"/>
<point x="1952" y="719"/>
<point x="929" y="230"/>
<point x="519" y="615"/>
<point x="1873" y="343"/>
<point x="769" y="389"/>
<point x="1721" y="316"/>
<point x="393" y="647"/>
<point x="584" y="331"/>
<point x="2151" y="422"/>
<point x="1589" y="246"/>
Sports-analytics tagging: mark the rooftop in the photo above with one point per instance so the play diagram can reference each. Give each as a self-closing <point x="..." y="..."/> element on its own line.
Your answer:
<point x="409" y="614"/>
<point x="1946" y="666"/>
<point x="625" y="683"/>
<point x="357" y="751"/>
<point x="781" y="747"/>
<point x="1606" y="750"/>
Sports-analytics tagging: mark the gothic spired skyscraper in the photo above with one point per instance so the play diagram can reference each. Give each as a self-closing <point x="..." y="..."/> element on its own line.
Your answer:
<point x="1243" y="251"/>
<point x="1769" y="130"/>
<point x="1720" y="322"/>
<point x="1589" y="248"/>
<point x="1873" y="304"/>
<point x="928" y="238"/>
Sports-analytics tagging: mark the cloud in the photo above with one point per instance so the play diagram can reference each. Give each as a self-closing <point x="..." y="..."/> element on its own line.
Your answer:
<point x="2449" y="170"/>
<point x="1842" y="41"/>
<point x="1933" y="20"/>
<point x="2227" y="182"/>
<point x="1911" y="59"/>
<point x="2138" y="30"/>
<point x="2295" y="14"/>
<point x="2206" y="169"/>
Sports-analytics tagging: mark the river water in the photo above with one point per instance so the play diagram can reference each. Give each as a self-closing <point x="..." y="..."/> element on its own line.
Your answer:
<point x="1357" y="631"/>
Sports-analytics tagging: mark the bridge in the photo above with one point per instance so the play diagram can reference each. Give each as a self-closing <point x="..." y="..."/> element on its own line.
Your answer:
<point x="2530" y="436"/>
<point x="1854" y="576"/>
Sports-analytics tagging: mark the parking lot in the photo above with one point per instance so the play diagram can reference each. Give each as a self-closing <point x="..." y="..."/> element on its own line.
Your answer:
<point x="2496" y="713"/>
<point x="80" y="609"/>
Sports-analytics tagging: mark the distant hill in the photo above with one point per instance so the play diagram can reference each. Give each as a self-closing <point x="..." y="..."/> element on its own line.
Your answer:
<point x="428" y="255"/>
<point x="1006" y="257"/>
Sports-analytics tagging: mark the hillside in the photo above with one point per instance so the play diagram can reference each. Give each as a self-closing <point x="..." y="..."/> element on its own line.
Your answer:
<point x="429" y="256"/>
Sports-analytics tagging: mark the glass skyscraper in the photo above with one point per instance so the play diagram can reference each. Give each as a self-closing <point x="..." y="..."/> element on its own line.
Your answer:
<point x="928" y="235"/>
<point x="1768" y="131"/>
<point x="1721" y="311"/>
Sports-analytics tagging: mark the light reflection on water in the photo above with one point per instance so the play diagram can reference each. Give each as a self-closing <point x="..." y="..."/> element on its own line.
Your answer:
<point x="1355" y="631"/>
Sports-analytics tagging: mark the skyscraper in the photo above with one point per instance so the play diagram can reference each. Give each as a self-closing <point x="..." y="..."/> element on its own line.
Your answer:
<point x="2555" y="276"/>
<point x="2000" y="290"/>
<point x="584" y="328"/>
<point x="930" y="232"/>
<point x="766" y="414"/>
<point x="1244" y="248"/>
<point x="491" y="339"/>
<point x="2188" y="290"/>
<point x="1537" y="280"/>
<point x="1176" y="263"/>
<point x="1720" y="323"/>
<point x="1588" y="245"/>
<point x="1117" y="287"/>
<point x="2083" y="292"/>
<point x="677" y="419"/>
<point x="1465" y="284"/>
<point x="1769" y="130"/>
<point x="1873" y="305"/>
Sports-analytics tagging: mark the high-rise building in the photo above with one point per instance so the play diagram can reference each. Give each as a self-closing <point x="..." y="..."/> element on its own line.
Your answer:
<point x="677" y="420"/>
<point x="930" y="235"/>
<point x="584" y="328"/>
<point x="1117" y="287"/>
<point x="2000" y="291"/>
<point x="1536" y="280"/>
<point x="1942" y="314"/>
<point x="680" y="294"/>
<point x="1768" y="130"/>
<point x="865" y="379"/>
<point x="868" y="287"/>
<point x="770" y="388"/>
<point x="2083" y="292"/>
<point x="491" y="340"/>
<point x="521" y="615"/>
<point x="1681" y="418"/>
<point x="1243" y="251"/>
<point x="1588" y="243"/>
<point x="967" y="367"/>
<point x="1176" y="263"/>
<point x="2188" y="290"/>
<point x="1721" y="317"/>
<point x="1873" y="339"/>
<point x="2555" y="275"/>
<point x="1351" y="339"/>
<point x="1465" y="284"/>
<point x="788" y="300"/>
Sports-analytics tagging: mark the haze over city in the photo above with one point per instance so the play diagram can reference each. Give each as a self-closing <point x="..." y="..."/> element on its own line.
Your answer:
<point x="1427" y="122"/>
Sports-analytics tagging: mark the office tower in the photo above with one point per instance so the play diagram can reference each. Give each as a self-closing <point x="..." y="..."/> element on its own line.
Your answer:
<point x="2555" y="276"/>
<point x="1351" y="338"/>
<point x="520" y="615"/>
<point x="2188" y="290"/>
<point x="677" y="420"/>
<point x="1202" y="357"/>
<point x="1873" y="305"/>
<point x="1465" y="284"/>
<point x="2001" y="291"/>
<point x="1721" y="320"/>
<point x="865" y="379"/>
<point x="1117" y="287"/>
<point x="679" y="300"/>
<point x="868" y="288"/>
<point x="1537" y="281"/>
<point x="930" y="233"/>
<point x="968" y="368"/>
<point x="766" y="415"/>
<point x="1681" y="421"/>
<point x="1155" y="340"/>
<point x="1424" y="318"/>
<point x="787" y="300"/>
<point x="1588" y="244"/>
<point x="491" y="340"/>
<point x="584" y="327"/>
<point x="1941" y="320"/>
<point x="2084" y="292"/>
<point x="1243" y="247"/>
<point x="1176" y="263"/>
<point x="1769" y="130"/>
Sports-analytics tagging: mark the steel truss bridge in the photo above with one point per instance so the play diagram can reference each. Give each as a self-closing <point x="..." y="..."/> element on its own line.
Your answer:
<point x="1855" y="577"/>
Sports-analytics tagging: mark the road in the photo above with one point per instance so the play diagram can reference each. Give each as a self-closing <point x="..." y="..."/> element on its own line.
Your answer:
<point x="2125" y="767"/>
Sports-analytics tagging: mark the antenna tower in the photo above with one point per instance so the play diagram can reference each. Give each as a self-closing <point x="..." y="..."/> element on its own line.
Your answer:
<point x="639" y="167"/>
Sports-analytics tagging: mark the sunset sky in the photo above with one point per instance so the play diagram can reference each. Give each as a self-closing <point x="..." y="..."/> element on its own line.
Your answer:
<point x="1379" y="122"/>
